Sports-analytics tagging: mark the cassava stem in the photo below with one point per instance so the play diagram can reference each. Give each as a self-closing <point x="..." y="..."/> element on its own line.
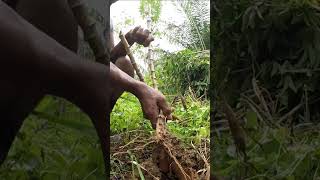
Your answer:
<point x="133" y="61"/>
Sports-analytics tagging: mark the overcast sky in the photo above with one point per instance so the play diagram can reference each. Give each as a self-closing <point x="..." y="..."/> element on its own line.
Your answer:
<point x="124" y="9"/>
<point x="129" y="9"/>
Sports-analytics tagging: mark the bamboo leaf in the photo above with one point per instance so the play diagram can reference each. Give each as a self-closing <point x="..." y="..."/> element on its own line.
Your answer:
<point x="70" y="123"/>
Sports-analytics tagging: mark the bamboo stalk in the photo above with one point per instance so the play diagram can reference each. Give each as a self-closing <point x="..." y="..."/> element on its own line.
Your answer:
<point x="88" y="25"/>
<point x="129" y="53"/>
<point x="150" y="60"/>
<point x="152" y="70"/>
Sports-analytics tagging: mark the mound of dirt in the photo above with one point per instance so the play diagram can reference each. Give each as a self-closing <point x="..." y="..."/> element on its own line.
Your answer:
<point x="174" y="161"/>
<point x="161" y="157"/>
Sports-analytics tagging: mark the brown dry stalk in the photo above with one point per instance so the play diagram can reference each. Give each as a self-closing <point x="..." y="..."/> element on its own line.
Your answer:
<point x="184" y="104"/>
<point x="207" y="169"/>
<point x="174" y="101"/>
<point x="132" y="141"/>
<point x="290" y="113"/>
<point x="133" y="61"/>
<point x="237" y="132"/>
<point x="134" y="149"/>
<point x="201" y="155"/>
<point x="258" y="93"/>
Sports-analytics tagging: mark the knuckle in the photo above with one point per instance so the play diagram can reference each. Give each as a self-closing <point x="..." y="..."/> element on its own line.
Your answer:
<point x="167" y="112"/>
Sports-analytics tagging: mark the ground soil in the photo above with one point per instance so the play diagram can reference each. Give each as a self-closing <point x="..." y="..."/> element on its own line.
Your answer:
<point x="159" y="156"/>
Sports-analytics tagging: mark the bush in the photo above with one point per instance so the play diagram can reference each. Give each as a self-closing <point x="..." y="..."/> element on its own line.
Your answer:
<point x="177" y="72"/>
<point x="275" y="42"/>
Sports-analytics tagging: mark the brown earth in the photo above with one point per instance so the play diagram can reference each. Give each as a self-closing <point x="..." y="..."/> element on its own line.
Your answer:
<point x="159" y="156"/>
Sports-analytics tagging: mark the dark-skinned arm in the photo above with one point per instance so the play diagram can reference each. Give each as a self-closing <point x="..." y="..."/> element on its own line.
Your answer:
<point x="29" y="55"/>
<point x="136" y="35"/>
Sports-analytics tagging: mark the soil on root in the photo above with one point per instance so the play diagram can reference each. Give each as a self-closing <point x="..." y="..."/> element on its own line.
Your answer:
<point x="159" y="156"/>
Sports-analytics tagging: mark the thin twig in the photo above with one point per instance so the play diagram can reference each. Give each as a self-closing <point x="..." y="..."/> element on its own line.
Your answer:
<point x="290" y="113"/>
<point x="132" y="141"/>
<point x="202" y="156"/>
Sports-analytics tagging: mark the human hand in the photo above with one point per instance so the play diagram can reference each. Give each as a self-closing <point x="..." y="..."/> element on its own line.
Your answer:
<point x="152" y="102"/>
<point x="140" y="36"/>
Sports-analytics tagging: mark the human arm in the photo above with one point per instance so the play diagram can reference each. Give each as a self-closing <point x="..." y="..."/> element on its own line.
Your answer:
<point x="136" y="35"/>
<point x="34" y="56"/>
<point x="30" y="56"/>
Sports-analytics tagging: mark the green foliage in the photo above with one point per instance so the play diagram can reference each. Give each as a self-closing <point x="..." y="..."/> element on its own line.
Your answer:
<point x="49" y="149"/>
<point x="179" y="71"/>
<point x="279" y="155"/>
<point x="127" y="115"/>
<point x="195" y="121"/>
<point x="276" y="42"/>
<point x="150" y="6"/>
<point x="194" y="33"/>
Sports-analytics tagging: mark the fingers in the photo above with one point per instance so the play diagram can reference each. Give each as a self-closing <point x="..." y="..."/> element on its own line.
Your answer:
<point x="154" y="119"/>
<point x="152" y="102"/>
<point x="152" y="115"/>
<point x="154" y="123"/>
<point x="142" y="36"/>
<point x="138" y="33"/>
<point x="147" y="42"/>
<point x="166" y="110"/>
<point x="134" y="31"/>
<point x="146" y="32"/>
<point x="147" y="38"/>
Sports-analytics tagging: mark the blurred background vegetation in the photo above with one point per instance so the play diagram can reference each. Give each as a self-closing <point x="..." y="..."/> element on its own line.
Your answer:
<point x="266" y="67"/>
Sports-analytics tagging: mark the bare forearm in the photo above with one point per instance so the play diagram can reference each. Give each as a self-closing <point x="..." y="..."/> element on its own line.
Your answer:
<point x="31" y="56"/>
<point x="119" y="50"/>
<point x="122" y="80"/>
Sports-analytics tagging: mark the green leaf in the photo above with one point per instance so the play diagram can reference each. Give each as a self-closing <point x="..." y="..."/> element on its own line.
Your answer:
<point x="139" y="170"/>
<point x="252" y="122"/>
<point x="71" y="123"/>
<point x="271" y="146"/>
<point x="204" y="132"/>
<point x="44" y="103"/>
<point x="290" y="177"/>
<point x="281" y="134"/>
